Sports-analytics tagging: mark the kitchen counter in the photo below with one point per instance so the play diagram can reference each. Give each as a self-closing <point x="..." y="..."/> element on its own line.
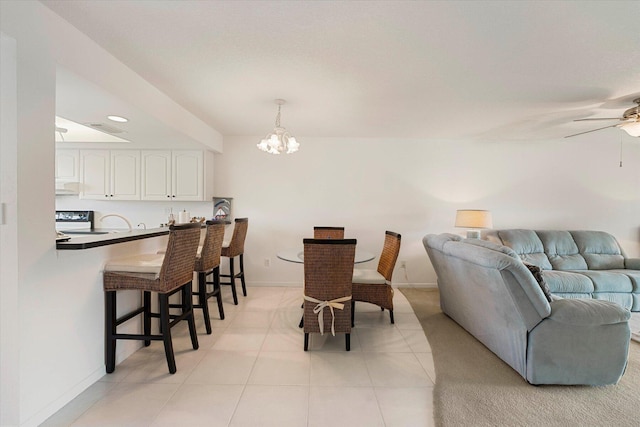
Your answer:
<point x="88" y="241"/>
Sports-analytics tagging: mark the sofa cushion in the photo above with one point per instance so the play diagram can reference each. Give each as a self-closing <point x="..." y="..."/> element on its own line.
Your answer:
<point x="561" y="250"/>
<point x="527" y="244"/>
<point x="599" y="249"/>
<point x="561" y="282"/>
<point x="607" y="281"/>
<point x="634" y="275"/>
<point x="537" y="274"/>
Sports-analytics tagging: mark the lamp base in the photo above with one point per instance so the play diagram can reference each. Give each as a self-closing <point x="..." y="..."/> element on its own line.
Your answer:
<point x="473" y="234"/>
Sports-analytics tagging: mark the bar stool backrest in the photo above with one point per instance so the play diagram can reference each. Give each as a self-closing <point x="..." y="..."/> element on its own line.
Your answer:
<point x="212" y="247"/>
<point x="180" y="257"/>
<point x="236" y="246"/>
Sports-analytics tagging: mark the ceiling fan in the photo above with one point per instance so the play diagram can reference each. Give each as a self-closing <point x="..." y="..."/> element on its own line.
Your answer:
<point x="629" y="122"/>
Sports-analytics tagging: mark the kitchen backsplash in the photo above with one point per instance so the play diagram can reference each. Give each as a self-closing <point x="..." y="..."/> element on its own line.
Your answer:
<point x="150" y="213"/>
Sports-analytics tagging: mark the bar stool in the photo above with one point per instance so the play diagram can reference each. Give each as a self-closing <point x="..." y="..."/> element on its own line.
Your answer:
<point x="208" y="263"/>
<point x="235" y="248"/>
<point x="164" y="274"/>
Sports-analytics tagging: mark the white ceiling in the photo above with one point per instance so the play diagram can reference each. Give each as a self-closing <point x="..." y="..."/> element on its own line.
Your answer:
<point x="400" y="69"/>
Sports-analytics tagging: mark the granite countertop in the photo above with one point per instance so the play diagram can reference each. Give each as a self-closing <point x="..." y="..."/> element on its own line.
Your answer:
<point x="88" y="241"/>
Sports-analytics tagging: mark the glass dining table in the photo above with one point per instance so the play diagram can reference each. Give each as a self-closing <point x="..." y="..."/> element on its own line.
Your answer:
<point x="297" y="256"/>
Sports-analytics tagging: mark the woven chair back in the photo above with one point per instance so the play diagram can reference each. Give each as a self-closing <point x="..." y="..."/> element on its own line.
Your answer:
<point x="328" y="232"/>
<point x="180" y="257"/>
<point x="236" y="246"/>
<point x="211" y="248"/>
<point x="389" y="255"/>
<point x="328" y="270"/>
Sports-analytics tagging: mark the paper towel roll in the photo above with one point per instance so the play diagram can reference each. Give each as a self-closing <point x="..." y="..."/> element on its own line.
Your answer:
<point x="184" y="217"/>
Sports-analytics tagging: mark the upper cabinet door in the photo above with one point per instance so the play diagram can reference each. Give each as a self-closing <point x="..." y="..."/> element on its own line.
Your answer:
<point x="187" y="175"/>
<point x="68" y="165"/>
<point x="125" y="175"/>
<point x="95" y="173"/>
<point x="156" y="175"/>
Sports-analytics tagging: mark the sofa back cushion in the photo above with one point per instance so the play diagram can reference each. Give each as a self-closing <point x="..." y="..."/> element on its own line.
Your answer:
<point x="599" y="249"/>
<point x="561" y="250"/>
<point x="527" y="244"/>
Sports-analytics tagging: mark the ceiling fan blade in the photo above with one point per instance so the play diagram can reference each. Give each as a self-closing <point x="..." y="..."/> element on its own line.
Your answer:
<point x="592" y="130"/>
<point x="597" y="118"/>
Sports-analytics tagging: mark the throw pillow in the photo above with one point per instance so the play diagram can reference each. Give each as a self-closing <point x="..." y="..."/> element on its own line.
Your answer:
<point x="537" y="274"/>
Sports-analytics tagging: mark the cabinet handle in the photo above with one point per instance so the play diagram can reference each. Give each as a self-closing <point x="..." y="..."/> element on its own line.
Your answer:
<point x="168" y="196"/>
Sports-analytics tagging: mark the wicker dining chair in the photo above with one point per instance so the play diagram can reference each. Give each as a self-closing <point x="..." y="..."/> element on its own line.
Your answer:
<point x="321" y="232"/>
<point x="374" y="286"/>
<point x="328" y="270"/>
<point x="208" y="264"/>
<point x="165" y="274"/>
<point x="235" y="248"/>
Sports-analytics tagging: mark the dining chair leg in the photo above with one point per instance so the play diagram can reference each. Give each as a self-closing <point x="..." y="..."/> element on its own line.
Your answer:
<point x="347" y="341"/>
<point x="146" y="296"/>
<point x="306" y="341"/>
<point x="166" y="333"/>
<point x="110" y="330"/>
<point x="202" y="300"/>
<point x="244" y="286"/>
<point x="187" y="307"/>
<point x="353" y="313"/>
<point x="391" y="315"/>
<point x="301" y="324"/>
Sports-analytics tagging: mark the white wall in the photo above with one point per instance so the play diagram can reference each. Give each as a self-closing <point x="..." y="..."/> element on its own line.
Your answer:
<point x="414" y="188"/>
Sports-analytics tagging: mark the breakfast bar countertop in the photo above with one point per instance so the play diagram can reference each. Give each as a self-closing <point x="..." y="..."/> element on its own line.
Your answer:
<point x="88" y="241"/>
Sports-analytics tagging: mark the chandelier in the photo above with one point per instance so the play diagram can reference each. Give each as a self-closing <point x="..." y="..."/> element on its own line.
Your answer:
<point x="280" y="141"/>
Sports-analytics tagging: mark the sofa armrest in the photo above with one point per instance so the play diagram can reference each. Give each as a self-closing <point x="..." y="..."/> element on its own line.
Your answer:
<point x="588" y="312"/>
<point x="632" y="263"/>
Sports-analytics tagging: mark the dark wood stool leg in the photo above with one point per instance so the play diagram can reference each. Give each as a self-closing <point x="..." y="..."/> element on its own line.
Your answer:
<point x="391" y="314"/>
<point x="187" y="307"/>
<point x="146" y="296"/>
<point x="244" y="286"/>
<point x="110" y="330"/>
<point x="306" y="341"/>
<point x="232" y="280"/>
<point x="166" y="333"/>
<point x="347" y="340"/>
<point x="217" y="292"/>
<point x="202" y="300"/>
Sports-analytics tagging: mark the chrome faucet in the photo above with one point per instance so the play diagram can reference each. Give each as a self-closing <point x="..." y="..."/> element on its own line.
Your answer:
<point x="143" y="225"/>
<point x="119" y="216"/>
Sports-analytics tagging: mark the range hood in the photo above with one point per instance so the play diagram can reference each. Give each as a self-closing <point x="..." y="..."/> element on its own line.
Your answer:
<point x="67" y="188"/>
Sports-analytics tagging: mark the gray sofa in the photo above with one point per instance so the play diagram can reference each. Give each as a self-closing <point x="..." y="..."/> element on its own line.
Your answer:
<point x="487" y="289"/>
<point x="578" y="264"/>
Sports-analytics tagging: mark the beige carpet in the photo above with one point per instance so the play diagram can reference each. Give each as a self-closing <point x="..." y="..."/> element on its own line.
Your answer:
<point x="475" y="388"/>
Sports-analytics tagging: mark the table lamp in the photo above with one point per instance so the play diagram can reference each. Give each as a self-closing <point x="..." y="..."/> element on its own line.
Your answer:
<point x="473" y="220"/>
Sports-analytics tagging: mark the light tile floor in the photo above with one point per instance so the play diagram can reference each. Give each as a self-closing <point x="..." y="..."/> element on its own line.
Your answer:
<point x="252" y="371"/>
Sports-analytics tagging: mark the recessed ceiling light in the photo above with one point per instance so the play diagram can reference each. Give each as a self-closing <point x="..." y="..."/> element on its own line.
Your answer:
<point x="118" y="119"/>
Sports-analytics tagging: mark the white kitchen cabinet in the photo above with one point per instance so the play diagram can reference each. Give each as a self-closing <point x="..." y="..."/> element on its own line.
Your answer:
<point x="68" y="165"/>
<point x="180" y="175"/>
<point x="125" y="175"/>
<point x="110" y="174"/>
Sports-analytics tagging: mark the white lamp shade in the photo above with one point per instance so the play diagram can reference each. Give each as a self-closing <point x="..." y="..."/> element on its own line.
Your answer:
<point x="473" y="218"/>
